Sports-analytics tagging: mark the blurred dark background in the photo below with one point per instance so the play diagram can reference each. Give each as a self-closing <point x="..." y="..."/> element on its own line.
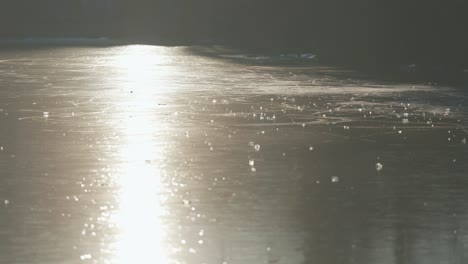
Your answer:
<point x="369" y="32"/>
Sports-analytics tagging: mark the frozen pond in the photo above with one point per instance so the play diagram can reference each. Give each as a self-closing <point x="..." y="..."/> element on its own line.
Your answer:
<point x="146" y="154"/>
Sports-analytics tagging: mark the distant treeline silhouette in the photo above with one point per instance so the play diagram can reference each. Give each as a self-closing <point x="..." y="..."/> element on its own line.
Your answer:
<point x="361" y="31"/>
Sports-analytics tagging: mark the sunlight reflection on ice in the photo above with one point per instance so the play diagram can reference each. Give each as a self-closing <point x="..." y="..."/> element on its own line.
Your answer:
<point x="139" y="216"/>
<point x="138" y="68"/>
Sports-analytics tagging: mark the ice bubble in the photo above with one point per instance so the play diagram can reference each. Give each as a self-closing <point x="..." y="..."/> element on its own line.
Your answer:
<point x="257" y="147"/>
<point x="85" y="256"/>
<point x="378" y="166"/>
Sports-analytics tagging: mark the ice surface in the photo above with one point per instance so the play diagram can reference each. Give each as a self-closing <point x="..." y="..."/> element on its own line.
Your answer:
<point x="105" y="147"/>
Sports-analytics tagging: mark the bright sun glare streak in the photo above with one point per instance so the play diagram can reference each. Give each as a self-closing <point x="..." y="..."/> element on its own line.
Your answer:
<point x="140" y="211"/>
